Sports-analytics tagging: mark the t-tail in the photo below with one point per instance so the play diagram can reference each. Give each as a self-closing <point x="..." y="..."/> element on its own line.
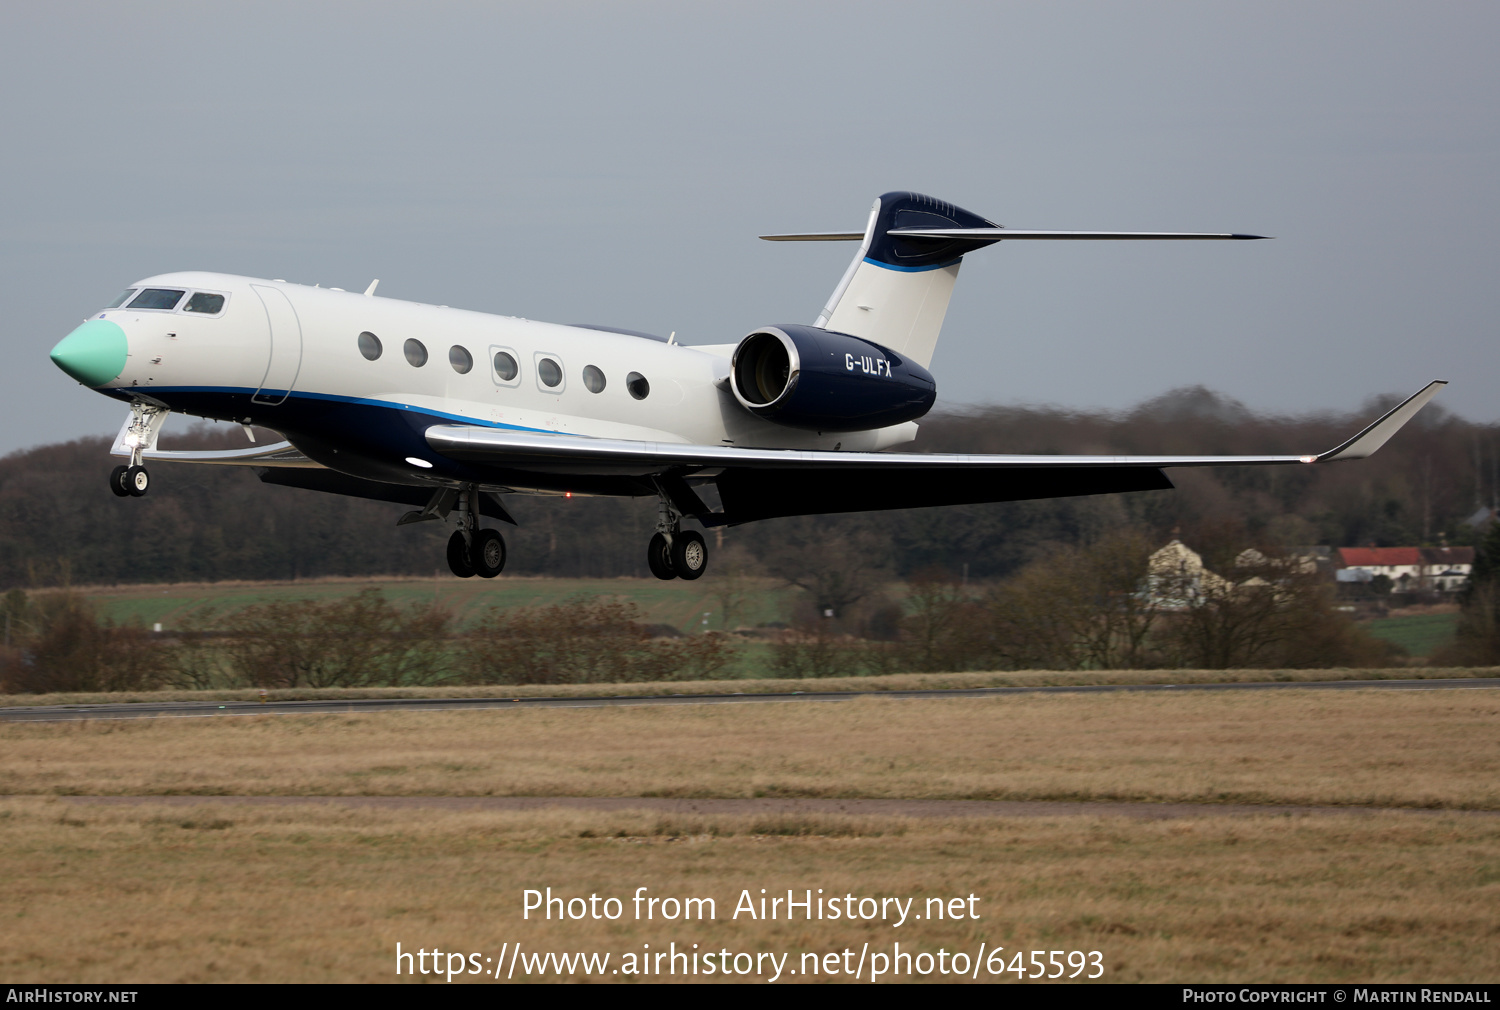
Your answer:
<point x="896" y="290"/>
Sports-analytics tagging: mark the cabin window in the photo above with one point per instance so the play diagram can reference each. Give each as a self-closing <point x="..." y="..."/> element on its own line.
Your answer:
<point x="638" y="386"/>
<point x="460" y="359"/>
<point x="157" y="298"/>
<point x="593" y="379"/>
<point x="550" y="372"/>
<point x="416" y="353"/>
<point x="505" y="366"/>
<point x="369" y="345"/>
<point x="121" y="300"/>
<point x="205" y="302"/>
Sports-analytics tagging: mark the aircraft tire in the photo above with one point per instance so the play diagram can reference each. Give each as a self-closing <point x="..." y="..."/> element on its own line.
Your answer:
<point x="488" y="554"/>
<point x="137" y="481"/>
<point x="117" y="482"/>
<point x="689" y="554"/>
<point x="459" y="562"/>
<point x="659" y="558"/>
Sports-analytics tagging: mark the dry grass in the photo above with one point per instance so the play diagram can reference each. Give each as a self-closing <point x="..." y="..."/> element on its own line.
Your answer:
<point x="892" y="682"/>
<point x="156" y="894"/>
<point x="1382" y="748"/>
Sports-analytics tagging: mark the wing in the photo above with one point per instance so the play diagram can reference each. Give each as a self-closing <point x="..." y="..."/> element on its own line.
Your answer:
<point x="762" y="483"/>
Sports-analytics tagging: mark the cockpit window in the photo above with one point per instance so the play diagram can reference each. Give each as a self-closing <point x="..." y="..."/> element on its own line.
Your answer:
<point x="205" y="302"/>
<point x="157" y="298"/>
<point x="121" y="300"/>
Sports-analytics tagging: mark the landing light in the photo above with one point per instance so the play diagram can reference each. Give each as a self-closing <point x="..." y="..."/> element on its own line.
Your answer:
<point x="1309" y="459"/>
<point x="419" y="462"/>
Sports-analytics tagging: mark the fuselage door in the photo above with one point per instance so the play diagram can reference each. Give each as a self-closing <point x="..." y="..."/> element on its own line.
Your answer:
<point x="285" y="360"/>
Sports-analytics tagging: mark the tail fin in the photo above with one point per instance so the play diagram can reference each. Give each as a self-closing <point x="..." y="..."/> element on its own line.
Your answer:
<point x="897" y="289"/>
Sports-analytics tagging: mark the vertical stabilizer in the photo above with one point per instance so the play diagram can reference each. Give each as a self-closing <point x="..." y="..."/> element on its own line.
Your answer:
<point x="897" y="289"/>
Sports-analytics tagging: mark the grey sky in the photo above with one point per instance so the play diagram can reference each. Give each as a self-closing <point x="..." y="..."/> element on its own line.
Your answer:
<point x="613" y="163"/>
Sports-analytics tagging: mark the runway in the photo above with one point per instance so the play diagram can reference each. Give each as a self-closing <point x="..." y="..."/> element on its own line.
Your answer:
<point x="204" y="709"/>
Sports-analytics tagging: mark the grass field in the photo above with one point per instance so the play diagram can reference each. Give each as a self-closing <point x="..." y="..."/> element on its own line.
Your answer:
<point x="323" y="892"/>
<point x="318" y="894"/>
<point x="884" y="683"/>
<point x="680" y="604"/>
<point x="1419" y="635"/>
<point x="1384" y="748"/>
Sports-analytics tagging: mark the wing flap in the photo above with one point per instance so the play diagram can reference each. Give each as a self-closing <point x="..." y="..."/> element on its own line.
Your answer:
<point x="279" y="454"/>
<point x="547" y="452"/>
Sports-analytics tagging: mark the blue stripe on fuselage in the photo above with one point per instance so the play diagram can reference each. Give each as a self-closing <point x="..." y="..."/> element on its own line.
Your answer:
<point x="355" y="435"/>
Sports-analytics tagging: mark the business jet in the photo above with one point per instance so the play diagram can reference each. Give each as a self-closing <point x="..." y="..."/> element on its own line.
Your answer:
<point x="450" y="411"/>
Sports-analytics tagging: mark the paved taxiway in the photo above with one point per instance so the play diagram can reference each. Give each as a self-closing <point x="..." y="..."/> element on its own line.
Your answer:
<point x="204" y="709"/>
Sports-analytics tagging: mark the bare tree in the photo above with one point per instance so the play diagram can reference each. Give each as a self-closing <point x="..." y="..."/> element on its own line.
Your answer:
<point x="837" y="568"/>
<point x="358" y="641"/>
<point x="1079" y="607"/>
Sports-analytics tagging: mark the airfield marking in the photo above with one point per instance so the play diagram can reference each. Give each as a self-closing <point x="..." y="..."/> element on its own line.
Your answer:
<point x="202" y="709"/>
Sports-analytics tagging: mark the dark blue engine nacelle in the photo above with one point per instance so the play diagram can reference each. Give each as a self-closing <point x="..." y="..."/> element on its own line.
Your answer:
<point x="804" y="377"/>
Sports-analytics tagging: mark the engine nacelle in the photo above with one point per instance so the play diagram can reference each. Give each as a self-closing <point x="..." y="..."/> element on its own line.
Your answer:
<point x="804" y="377"/>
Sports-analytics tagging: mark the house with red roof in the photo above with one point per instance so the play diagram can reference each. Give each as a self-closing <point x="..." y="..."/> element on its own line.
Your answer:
<point x="1410" y="569"/>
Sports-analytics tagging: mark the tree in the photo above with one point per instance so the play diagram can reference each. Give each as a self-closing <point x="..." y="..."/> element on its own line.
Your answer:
<point x="1477" y="638"/>
<point x="57" y="643"/>
<point x="837" y="568"/>
<point x="1259" y="607"/>
<point x="1081" y="607"/>
<point x="357" y="641"/>
<point x="944" y="628"/>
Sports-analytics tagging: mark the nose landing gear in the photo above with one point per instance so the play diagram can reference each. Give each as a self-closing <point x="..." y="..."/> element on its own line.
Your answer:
<point x="138" y="434"/>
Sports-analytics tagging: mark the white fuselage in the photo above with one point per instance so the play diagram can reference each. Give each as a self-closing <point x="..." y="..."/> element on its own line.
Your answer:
<point x="285" y="344"/>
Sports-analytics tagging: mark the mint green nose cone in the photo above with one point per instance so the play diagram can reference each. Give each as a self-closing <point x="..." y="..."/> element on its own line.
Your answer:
<point x="94" y="353"/>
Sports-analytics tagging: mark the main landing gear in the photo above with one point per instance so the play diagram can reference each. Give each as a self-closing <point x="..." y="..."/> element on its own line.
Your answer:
<point x="478" y="552"/>
<point x="471" y="550"/>
<point x="675" y="553"/>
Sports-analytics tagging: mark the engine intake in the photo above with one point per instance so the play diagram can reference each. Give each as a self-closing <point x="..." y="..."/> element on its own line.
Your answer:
<point x="805" y="377"/>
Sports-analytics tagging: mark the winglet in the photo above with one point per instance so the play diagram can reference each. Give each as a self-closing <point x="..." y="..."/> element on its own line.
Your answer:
<point x="1372" y="438"/>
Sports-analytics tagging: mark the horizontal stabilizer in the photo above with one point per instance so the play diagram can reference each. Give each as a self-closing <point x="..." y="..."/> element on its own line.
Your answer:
<point x="817" y="236"/>
<point x="1005" y="234"/>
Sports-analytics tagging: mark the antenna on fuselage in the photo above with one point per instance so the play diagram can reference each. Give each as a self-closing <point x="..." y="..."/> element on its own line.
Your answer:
<point x="370" y="291"/>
